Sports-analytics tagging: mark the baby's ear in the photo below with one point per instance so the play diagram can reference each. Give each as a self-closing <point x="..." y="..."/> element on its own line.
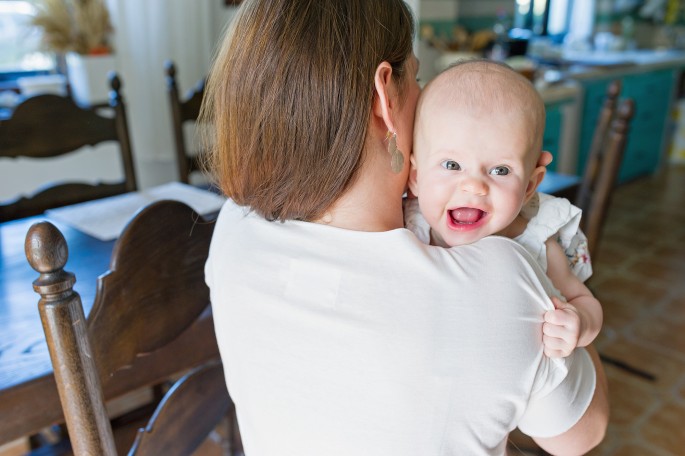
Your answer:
<point x="537" y="175"/>
<point x="545" y="158"/>
<point x="412" y="182"/>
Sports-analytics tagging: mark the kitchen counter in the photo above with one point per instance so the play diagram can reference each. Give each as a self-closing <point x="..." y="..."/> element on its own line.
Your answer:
<point x="563" y="90"/>
<point x="589" y="65"/>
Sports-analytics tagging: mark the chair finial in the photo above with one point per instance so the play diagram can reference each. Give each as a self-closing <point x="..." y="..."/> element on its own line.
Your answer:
<point x="45" y="248"/>
<point x="47" y="253"/>
<point x="114" y="81"/>
<point x="170" y="68"/>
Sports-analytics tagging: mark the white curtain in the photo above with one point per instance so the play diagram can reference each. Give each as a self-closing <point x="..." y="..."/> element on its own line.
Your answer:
<point x="146" y="33"/>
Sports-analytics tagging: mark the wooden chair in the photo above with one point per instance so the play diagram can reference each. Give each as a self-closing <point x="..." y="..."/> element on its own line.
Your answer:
<point x="48" y="126"/>
<point x="182" y="111"/>
<point x="603" y="163"/>
<point x="149" y="320"/>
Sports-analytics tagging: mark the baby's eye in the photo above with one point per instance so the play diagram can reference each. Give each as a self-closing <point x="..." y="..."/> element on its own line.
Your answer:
<point x="500" y="171"/>
<point x="451" y="165"/>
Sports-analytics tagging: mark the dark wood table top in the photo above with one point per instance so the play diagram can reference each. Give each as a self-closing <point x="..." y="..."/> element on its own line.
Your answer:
<point x="28" y="395"/>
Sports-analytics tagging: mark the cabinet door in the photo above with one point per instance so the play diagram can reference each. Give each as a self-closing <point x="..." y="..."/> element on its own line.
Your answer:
<point x="652" y="95"/>
<point x="595" y="91"/>
<point x="552" y="136"/>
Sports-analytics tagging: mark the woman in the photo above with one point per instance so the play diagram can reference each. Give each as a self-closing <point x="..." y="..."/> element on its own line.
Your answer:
<point x="340" y="332"/>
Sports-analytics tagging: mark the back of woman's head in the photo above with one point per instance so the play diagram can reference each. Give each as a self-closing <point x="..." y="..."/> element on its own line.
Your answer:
<point x="290" y="96"/>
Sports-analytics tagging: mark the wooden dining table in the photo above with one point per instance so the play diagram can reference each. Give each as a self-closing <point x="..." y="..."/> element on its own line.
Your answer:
<point x="28" y="395"/>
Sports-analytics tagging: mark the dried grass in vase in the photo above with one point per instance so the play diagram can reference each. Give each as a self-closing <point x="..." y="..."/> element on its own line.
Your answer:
<point x="81" y="26"/>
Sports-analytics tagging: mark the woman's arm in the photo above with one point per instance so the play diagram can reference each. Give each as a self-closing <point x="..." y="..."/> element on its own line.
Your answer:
<point x="590" y="430"/>
<point x="581" y="305"/>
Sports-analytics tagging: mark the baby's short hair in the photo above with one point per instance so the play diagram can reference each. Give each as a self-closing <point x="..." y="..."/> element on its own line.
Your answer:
<point x="482" y="86"/>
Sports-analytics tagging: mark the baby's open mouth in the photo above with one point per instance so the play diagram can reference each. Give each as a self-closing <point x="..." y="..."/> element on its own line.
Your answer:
<point x="466" y="215"/>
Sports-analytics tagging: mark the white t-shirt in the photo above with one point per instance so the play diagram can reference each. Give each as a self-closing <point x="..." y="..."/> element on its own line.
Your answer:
<point x="339" y="342"/>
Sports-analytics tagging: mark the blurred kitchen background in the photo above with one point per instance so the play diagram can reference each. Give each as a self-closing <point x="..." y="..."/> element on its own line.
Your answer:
<point x="570" y="49"/>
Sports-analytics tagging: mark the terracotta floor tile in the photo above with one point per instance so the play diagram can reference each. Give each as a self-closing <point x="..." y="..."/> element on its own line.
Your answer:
<point x="619" y="313"/>
<point x="637" y="449"/>
<point x="665" y="428"/>
<point x="662" y="332"/>
<point x="674" y="309"/>
<point x="667" y="369"/>
<point x="630" y="398"/>
<point x="610" y="256"/>
<point x="658" y="269"/>
<point x="680" y="391"/>
<point x="638" y="291"/>
<point x="673" y="254"/>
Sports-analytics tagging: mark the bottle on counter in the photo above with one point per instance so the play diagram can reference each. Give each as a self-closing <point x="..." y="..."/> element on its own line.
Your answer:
<point x="500" y="47"/>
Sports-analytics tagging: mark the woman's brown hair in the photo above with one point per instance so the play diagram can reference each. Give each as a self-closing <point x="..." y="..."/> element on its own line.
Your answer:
<point x="289" y="99"/>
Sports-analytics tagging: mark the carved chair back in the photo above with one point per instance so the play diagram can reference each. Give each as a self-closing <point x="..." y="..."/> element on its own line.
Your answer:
<point x="604" y="161"/>
<point x="186" y="109"/>
<point x="145" y="325"/>
<point x="46" y="126"/>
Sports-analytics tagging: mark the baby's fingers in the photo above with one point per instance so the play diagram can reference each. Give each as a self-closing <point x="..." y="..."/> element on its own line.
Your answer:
<point x="560" y="332"/>
<point x="563" y="317"/>
<point x="556" y="348"/>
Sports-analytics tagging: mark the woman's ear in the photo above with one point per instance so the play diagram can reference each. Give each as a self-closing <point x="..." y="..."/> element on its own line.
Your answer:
<point x="384" y="101"/>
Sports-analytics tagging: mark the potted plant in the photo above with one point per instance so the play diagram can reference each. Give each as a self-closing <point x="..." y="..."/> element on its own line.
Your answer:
<point x="81" y="30"/>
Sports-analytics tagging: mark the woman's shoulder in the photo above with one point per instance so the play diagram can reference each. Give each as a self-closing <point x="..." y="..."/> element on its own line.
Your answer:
<point x="494" y="249"/>
<point x="501" y="258"/>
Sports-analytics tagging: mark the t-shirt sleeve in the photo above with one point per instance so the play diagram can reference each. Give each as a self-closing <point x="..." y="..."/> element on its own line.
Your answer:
<point x="563" y="390"/>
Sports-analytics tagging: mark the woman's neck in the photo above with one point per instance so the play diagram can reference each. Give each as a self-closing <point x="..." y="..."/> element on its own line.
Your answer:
<point x="372" y="203"/>
<point x="365" y="214"/>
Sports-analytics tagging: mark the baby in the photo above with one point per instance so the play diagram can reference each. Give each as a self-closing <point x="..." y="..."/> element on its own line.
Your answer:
<point x="476" y="165"/>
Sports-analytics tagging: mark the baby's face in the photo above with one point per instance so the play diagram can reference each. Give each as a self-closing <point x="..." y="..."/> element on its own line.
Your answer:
<point x="471" y="173"/>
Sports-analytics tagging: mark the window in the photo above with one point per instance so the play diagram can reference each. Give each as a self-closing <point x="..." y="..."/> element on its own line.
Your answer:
<point x="555" y="18"/>
<point x="20" y="46"/>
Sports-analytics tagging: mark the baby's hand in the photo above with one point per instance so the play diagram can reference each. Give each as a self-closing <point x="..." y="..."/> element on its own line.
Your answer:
<point x="561" y="329"/>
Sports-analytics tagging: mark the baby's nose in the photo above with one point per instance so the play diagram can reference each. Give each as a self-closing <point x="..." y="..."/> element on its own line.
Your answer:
<point x="475" y="185"/>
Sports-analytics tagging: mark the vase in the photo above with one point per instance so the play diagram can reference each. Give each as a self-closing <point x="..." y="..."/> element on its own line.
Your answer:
<point x="88" y="77"/>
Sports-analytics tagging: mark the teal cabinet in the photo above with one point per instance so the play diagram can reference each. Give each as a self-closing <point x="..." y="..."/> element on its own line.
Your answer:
<point x="551" y="140"/>
<point x="652" y="94"/>
<point x="595" y="91"/>
<point x="561" y="121"/>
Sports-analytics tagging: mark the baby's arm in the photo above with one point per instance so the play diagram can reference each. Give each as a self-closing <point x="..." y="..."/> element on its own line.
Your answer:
<point x="576" y="322"/>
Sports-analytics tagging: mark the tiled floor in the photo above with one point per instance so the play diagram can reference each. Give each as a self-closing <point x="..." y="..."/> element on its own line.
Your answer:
<point x="640" y="280"/>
